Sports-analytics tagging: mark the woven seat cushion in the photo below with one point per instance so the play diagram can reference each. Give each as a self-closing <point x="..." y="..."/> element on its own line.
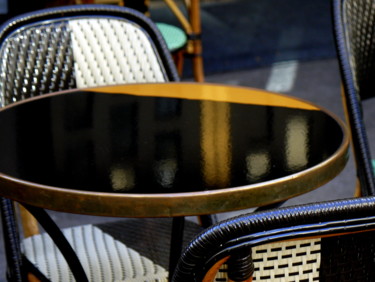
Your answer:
<point x="174" y="36"/>
<point x="127" y="250"/>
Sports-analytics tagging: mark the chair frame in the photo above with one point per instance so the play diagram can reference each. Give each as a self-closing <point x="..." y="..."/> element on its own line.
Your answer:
<point x="352" y="101"/>
<point x="221" y="241"/>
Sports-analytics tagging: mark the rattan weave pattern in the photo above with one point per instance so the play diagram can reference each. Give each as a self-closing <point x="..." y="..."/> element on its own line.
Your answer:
<point x="359" y="17"/>
<point x="131" y="233"/>
<point x="99" y="46"/>
<point x="66" y="54"/>
<point x="35" y="61"/>
<point x="99" y="254"/>
<point x="283" y="261"/>
<point x="352" y="254"/>
<point x="287" y="260"/>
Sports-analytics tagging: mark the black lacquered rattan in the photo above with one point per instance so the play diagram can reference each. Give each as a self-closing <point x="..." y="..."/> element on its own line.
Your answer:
<point x="354" y="22"/>
<point x="343" y="230"/>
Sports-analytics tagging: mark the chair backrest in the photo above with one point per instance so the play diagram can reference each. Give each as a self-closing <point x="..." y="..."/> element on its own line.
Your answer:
<point x="74" y="47"/>
<point x="354" y="34"/>
<point x="80" y="46"/>
<point x="330" y="241"/>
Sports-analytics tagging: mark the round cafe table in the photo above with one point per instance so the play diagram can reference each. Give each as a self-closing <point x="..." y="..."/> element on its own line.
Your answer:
<point x="162" y="150"/>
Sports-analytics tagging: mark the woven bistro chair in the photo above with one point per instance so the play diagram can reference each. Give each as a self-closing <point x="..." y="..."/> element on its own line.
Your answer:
<point x="328" y="241"/>
<point x="354" y="35"/>
<point x="190" y="19"/>
<point x="183" y="39"/>
<point x="63" y="48"/>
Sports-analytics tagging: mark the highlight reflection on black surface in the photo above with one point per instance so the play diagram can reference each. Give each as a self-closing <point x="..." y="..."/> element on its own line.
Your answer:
<point x="112" y="142"/>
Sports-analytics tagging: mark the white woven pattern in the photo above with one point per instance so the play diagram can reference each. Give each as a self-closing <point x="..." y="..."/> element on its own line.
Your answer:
<point x="284" y="261"/>
<point x="102" y="257"/>
<point x="110" y="51"/>
<point x="287" y="261"/>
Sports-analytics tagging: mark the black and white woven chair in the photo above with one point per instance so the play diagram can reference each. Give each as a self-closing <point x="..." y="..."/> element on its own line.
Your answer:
<point x="354" y="35"/>
<point x="80" y="46"/>
<point x="329" y="241"/>
<point x="75" y="47"/>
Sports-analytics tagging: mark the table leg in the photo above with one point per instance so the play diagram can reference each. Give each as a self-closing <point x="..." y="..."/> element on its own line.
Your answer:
<point x="176" y="243"/>
<point x="207" y="220"/>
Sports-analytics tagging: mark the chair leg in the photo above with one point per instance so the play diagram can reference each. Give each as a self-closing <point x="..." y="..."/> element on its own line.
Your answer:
<point x="192" y="27"/>
<point x="357" y="192"/>
<point x="178" y="58"/>
<point x="207" y="220"/>
<point x="198" y="68"/>
<point x="29" y="224"/>
<point x="195" y="19"/>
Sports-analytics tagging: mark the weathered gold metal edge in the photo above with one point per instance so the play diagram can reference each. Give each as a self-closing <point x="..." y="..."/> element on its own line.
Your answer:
<point x="177" y="204"/>
<point x="209" y="92"/>
<point x="191" y="91"/>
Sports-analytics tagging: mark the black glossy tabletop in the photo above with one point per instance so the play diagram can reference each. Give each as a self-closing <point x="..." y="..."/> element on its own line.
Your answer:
<point x="106" y="149"/>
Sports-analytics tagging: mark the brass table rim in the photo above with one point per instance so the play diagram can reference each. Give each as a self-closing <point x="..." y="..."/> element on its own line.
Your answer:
<point x="177" y="204"/>
<point x="101" y="89"/>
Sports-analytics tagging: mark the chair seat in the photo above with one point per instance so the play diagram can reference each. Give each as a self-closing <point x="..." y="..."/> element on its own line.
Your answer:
<point x="175" y="37"/>
<point x="114" y="251"/>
